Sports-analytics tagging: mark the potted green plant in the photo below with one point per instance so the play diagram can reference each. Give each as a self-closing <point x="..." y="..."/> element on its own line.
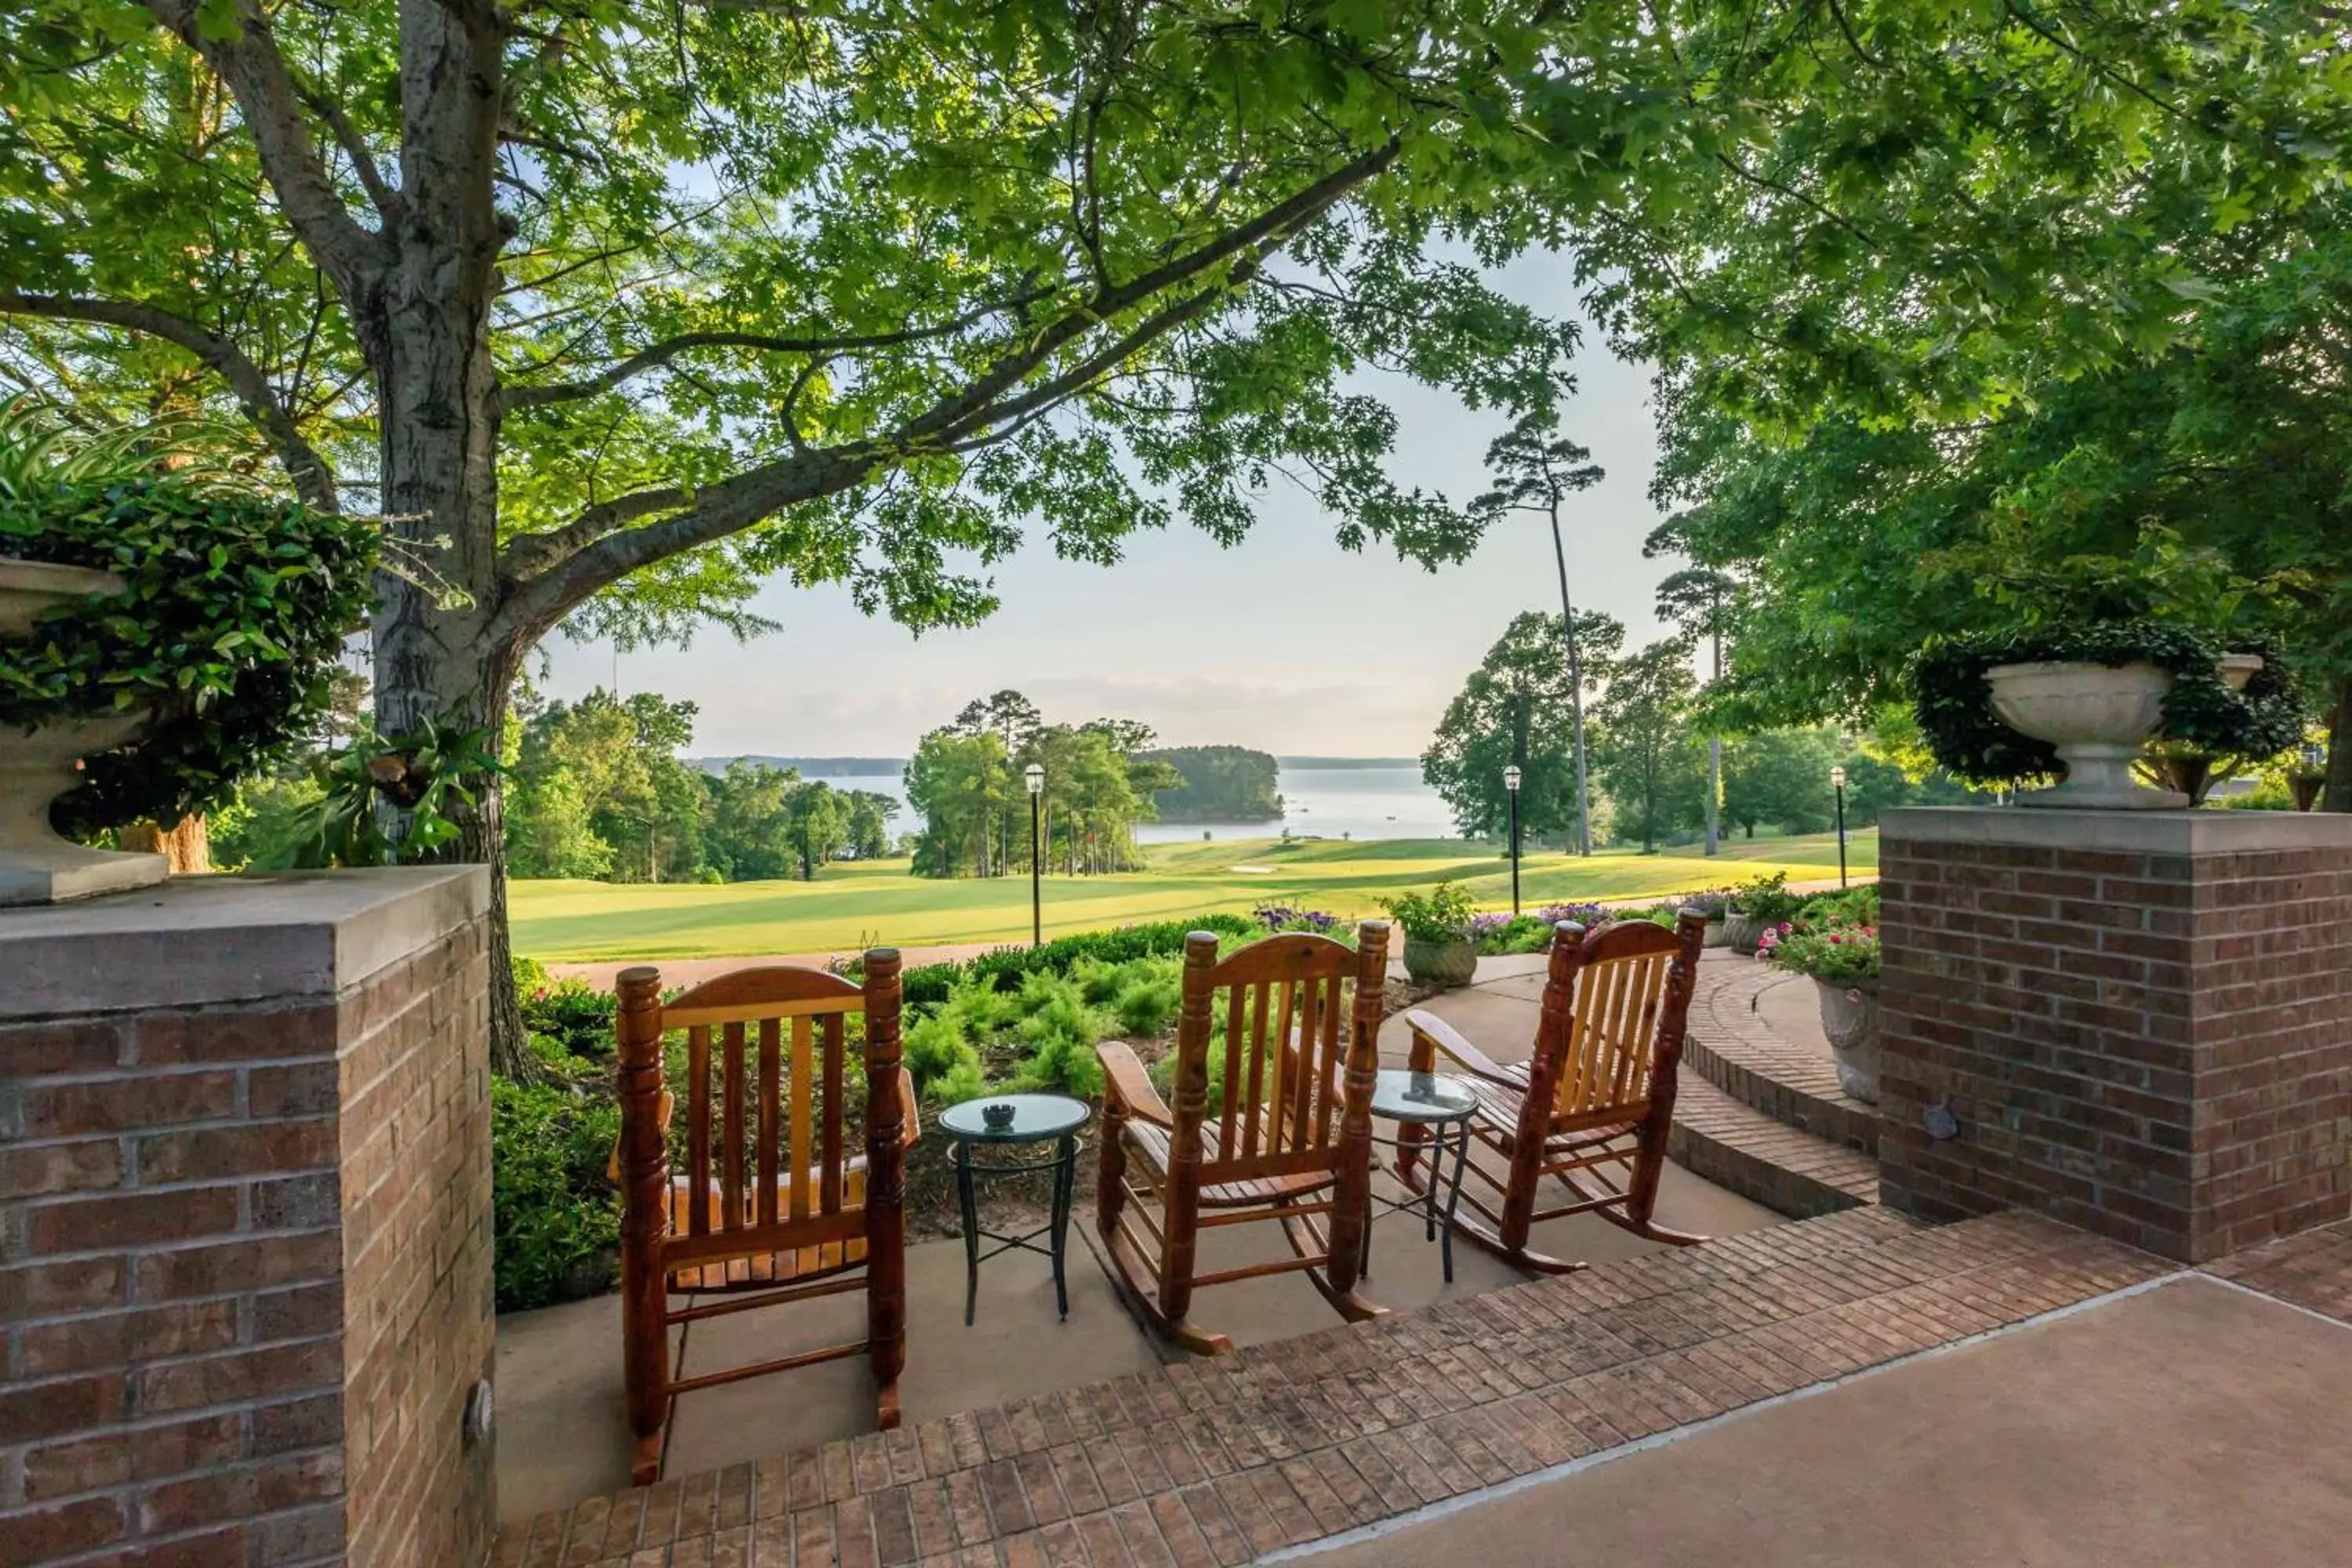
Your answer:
<point x="167" y="632"/>
<point x="2086" y="703"/>
<point x="1438" y="948"/>
<point x="1755" y="904"/>
<point x="2097" y="659"/>
<point x="1843" y="962"/>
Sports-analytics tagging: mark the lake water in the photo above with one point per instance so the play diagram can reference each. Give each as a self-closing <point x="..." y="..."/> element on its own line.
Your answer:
<point x="1329" y="803"/>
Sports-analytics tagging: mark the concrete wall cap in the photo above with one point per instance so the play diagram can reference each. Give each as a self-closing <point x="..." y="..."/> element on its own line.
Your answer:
<point x="2206" y="832"/>
<point x="198" y="941"/>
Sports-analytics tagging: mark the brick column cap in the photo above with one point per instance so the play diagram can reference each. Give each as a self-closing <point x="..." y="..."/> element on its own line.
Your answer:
<point x="196" y="941"/>
<point x="2199" y="832"/>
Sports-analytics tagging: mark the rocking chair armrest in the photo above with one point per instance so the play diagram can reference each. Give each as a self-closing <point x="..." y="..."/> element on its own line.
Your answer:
<point x="1125" y="1082"/>
<point x="1456" y="1047"/>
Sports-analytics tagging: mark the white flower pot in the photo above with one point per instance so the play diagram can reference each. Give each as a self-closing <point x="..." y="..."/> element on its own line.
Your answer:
<point x="2098" y="717"/>
<point x="36" y="865"/>
<point x="1850" y="1019"/>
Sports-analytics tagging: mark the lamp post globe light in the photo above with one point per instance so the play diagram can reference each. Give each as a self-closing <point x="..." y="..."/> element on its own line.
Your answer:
<point x="1511" y="776"/>
<point x="1837" y="782"/>
<point x="1034" y="777"/>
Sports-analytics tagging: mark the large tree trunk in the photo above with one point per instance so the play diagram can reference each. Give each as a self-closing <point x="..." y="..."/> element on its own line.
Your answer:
<point x="187" y="847"/>
<point x="1575" y="692"/>
<point x="429" y="345"/>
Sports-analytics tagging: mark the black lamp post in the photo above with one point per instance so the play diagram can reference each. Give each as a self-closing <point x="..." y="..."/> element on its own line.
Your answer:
<point x="1511" y="788"/>
<point x="1837" y="781"/>
<point x="1034" y="776"/>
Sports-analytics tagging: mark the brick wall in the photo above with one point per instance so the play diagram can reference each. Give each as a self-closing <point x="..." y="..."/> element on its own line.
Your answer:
<point x="2141" y="1023"/>
<point x="244" y="1248"/>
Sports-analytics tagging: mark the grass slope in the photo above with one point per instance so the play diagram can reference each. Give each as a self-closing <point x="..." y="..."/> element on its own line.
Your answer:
<point x="851" y="905"/>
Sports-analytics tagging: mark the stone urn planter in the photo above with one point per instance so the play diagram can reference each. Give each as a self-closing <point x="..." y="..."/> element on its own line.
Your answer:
<point x="38" y="866"/>
<point x="1740" y="932"/>
<point x="2098" y="716"/>
<point x="1718" y="932"/>
<point x="1850" y="1019"/>
<point x="1450" y="963"/>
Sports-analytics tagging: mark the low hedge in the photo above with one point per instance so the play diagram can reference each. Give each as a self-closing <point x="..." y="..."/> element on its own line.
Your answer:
<point x="1005" y="967"/>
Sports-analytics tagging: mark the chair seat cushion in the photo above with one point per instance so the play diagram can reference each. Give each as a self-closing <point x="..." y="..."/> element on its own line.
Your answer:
<point x="1148" y="1141"/>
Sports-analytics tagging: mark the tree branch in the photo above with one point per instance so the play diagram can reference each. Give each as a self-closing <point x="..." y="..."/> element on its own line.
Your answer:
<point x="661" y="354"/>
<point x="355" y="148"/>
<point x="265" y="95"/>
<point x="314" y="481"/>
<point x="528" y="554"/>
<point x="537" y="602"/>
<point x="1277" y="222"/>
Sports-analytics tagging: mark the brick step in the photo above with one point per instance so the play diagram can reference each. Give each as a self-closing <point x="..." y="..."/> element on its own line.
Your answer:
<point x="1224" y="1461"/>
<point x="1793" y="1081"/>
<point x="1743" y="1150"/>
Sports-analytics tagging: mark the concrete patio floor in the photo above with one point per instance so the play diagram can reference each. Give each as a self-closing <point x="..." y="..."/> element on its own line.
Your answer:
<point x="2190" y="1423"/>
<point x="563" y="1436"/>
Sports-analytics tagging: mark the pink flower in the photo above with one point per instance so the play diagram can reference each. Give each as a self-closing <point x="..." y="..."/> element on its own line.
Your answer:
<point x="1836" y="938"/>
<point x="1785" y="928"/>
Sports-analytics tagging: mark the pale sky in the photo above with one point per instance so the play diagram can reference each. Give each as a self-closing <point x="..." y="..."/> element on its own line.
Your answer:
<point x="1286" y="643"/>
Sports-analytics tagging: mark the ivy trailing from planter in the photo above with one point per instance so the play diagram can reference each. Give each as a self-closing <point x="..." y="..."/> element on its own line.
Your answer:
<point x="237" y="608"/>
<point x="1953" y="695"/>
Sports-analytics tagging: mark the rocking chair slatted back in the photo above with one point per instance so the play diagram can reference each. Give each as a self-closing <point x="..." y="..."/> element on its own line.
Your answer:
<point x="1284" y="1054"/>
<point x="1599" y="1037"/>
<point x="765" y="1119"/>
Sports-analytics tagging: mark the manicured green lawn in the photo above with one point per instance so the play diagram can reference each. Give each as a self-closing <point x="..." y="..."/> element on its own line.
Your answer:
<point x="850" y="906"/>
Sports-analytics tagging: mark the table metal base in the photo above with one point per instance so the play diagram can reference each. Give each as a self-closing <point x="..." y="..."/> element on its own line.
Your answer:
<point x="1063" y="1164"/>
<point x="1442" y="1135"/>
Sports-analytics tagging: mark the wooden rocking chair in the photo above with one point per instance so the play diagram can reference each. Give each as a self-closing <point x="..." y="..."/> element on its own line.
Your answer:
<point x="1291" y="1139"/>
<point x="1592" y="1107"/>
<point x="772" y="1207"/>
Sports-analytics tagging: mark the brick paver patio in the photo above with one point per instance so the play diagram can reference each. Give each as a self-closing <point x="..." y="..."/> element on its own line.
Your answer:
<point x="1220" y="1462"/>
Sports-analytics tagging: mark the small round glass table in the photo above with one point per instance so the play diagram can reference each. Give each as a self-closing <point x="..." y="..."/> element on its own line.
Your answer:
<point x="1440" y="1107"/>
<point x="1014" y="1120"/>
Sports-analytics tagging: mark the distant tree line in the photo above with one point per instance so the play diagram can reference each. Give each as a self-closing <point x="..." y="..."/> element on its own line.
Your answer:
<point x="598" y="789"/>
<point x="1218" y="784"/>
<point x="1647" y="735"/>
<point x="967" y="779"/>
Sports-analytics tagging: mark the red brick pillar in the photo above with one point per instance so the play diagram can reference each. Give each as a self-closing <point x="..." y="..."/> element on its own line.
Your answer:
<point x="2139" y="1023"/>
<point x="245" y="1229"/>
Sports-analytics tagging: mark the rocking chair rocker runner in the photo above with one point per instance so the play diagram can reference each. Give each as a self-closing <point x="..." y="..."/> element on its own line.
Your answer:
<point x="770" y="1207"/>
<point x="1595" y="1104"/>
<point x="1290" y="1139"/>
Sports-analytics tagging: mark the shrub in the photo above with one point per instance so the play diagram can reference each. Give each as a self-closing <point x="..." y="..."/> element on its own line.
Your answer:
<point x="1004" y="967"/>
<point x="1145" y="1005"/>
<point x="1767" y="898"/>
<point x="1285" y="917"/>
<point x="1061" y="1032"/>
<point x="234" y="612"/>
<point x="1510" y="933"/>
<point x="933" y="1048"/>
<point x="573" y="1013"/>
<point x="555" y="1217"/>
<point x="1442" y="914"/>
